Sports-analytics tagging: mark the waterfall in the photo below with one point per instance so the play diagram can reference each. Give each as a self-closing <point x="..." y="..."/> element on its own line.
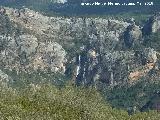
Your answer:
<point x="111" y="77"/>
<point x="78" y="70"/>
<point x="78" y="65"/>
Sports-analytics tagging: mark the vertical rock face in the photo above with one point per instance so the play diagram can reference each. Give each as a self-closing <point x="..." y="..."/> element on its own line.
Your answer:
<point x="102" y="57"/>
<point x="152" y="25"/>
<point x="132" y="35"/>
<point x="114" y="67"/>
<point x="98" y="62"/>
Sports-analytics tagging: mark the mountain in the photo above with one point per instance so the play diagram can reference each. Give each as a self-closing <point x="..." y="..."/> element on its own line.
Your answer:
<point x="118" y="57"/>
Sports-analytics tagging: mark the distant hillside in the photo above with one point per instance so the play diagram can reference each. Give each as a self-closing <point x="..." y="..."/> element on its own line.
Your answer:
<point x="78" y="9"/>
<point x="73" y="7"/>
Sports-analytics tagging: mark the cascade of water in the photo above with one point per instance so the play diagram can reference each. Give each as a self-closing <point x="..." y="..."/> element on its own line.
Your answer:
<point x="79" y="65"/>
<point x="111" y="77"/>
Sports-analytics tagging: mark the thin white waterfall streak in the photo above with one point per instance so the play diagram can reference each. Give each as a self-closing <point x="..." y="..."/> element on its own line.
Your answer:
<point x="112" y="78"/>
<point x="84" y="72"/>
<point x="79" y="65"/>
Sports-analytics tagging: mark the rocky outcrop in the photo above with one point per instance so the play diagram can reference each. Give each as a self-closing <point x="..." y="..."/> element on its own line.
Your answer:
<point x="132" y="35"/>
<point x="115" y="67"/>
<point x="152" y="25"/>
<point x="50" y="55"/>
<point x="26" y="53"/>
<point x="97" y="47"/>
<point x="2" y="11"/>
<point x="58" y="28"/>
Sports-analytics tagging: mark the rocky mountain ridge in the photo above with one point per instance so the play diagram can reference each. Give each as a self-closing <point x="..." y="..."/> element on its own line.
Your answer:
<point x="108" y="51"/>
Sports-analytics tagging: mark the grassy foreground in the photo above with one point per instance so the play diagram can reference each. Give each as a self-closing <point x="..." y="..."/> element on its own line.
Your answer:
<point x="46" y="102"/>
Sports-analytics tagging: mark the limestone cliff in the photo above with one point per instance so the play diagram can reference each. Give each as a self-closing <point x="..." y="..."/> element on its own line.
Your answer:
<point x="102" y="50"/>
<point x="152" y="25"/>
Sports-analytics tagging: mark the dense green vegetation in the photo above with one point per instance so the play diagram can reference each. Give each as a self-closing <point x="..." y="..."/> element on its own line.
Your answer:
<point x="46" y="102"/>
<point x="22" y="79"/>
<point x="128" y="97"/>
